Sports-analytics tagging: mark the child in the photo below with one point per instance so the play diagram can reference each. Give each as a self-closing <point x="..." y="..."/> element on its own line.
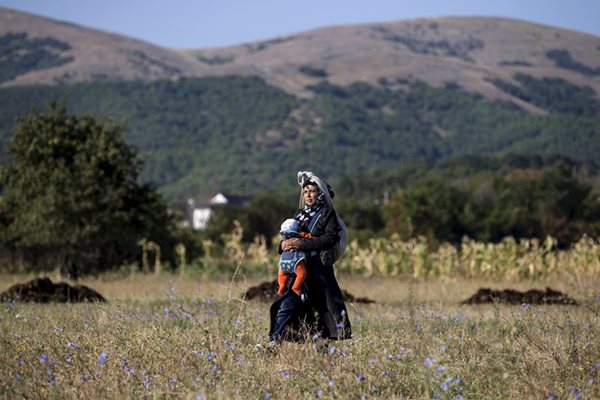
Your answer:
<point x="291" y="262"/>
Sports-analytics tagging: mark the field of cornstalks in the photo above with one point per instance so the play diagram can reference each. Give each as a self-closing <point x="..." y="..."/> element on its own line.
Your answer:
<point x="190" y="334"/>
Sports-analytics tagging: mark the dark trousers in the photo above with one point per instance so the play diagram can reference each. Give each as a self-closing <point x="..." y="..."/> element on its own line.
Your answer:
<point x="287" y="308"/>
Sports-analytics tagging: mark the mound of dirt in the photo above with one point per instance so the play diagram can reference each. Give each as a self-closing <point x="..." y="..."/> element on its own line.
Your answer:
<point x="510" y="296"/>
<point x="266" y="292"/>
<point x="43" y="290"/>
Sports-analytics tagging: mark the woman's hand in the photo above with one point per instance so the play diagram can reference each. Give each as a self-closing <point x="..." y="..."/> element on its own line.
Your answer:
<point x="292" y="244"/>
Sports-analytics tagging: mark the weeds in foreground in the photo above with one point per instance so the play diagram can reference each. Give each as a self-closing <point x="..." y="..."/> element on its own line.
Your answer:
<point x="201" y="346"/>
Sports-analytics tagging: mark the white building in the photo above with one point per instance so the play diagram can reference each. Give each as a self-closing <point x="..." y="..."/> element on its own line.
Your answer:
<point x="199" y="215"/>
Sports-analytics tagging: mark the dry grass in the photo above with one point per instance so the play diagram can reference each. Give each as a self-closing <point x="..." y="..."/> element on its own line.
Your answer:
<point x="175" y="336"/>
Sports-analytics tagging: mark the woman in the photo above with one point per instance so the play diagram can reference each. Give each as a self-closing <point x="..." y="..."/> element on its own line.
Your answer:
<point x="291" y="317"/>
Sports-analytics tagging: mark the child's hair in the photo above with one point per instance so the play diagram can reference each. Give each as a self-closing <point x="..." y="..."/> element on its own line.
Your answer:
<point x="289" y="227"/>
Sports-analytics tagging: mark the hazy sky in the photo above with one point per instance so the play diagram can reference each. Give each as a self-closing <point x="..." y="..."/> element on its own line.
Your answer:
<point x="215" y="23"/>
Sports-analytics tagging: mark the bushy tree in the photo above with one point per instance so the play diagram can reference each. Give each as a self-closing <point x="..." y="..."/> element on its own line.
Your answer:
<point x="429" y="208"/>
<point x="71" y="194"/>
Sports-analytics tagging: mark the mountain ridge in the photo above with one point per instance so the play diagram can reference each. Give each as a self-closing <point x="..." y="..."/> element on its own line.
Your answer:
<point x="468" y="51"/>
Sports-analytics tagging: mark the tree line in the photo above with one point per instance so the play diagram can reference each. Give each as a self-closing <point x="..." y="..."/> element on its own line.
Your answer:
<point x="233" y="134"/>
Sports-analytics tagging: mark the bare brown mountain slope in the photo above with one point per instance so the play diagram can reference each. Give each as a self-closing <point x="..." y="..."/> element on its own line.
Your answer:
<point x="468" y="51"/>
<point x="96" y="55"/>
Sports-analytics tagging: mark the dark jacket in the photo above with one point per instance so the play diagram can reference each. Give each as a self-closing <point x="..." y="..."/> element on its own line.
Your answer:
<point x="325" y="312"/>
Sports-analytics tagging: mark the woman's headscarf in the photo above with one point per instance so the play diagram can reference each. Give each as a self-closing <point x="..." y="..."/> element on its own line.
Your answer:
<point x="307" y="212"/>
<point x="325" y="199"/>
<point x="325" y="191"/>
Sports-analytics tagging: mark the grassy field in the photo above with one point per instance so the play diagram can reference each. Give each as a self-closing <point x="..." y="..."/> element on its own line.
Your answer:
<point x="174" y="336"/>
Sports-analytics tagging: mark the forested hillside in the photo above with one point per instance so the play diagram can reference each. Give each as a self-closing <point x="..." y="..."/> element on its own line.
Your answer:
<point x="345" y="101"/>
<point x="242" y="135"/>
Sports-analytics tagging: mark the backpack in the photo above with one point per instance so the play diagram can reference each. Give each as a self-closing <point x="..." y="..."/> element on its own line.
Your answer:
<point x="340" y="247"/>
<point x="328" y="257"/>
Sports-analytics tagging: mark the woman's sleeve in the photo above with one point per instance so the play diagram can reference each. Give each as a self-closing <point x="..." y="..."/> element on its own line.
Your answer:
<point x="328" y="239"/>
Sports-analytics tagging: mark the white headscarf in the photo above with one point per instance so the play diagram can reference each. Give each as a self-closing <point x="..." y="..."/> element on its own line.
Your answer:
<point x="325" y="188"/>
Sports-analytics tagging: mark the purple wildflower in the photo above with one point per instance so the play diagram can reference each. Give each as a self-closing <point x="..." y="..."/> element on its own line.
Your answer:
<point x="229" y="345"/>
<point x="444" y="385"/>
<point x="43" y="358"/>
<point x="319" y="393"/>
<point x="361" y="378"/>
<point x="102" y="359"/>
<point x="18" y="377"/>
<point x="85" y="377"/>
<point x="331" y="382"/>
<point x="439" y="371"/>
<point x="575" y="392"/>
<point x="430" y="362"/>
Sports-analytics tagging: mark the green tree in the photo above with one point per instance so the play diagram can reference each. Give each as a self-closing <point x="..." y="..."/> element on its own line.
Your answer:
<point x="563" y="203"/>
<point x="429" y="208"/>
<point x="72" y="197"/>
